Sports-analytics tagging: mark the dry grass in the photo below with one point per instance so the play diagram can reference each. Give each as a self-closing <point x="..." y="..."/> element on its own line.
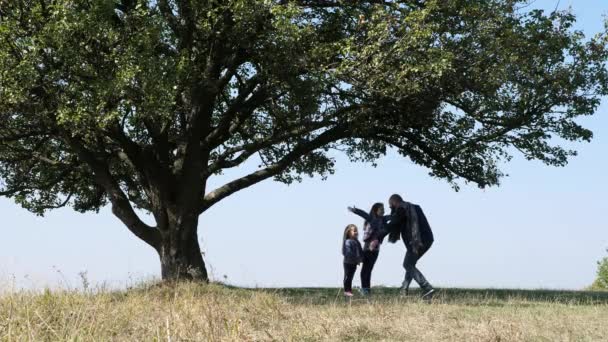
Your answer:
<point x="191" y="312"/>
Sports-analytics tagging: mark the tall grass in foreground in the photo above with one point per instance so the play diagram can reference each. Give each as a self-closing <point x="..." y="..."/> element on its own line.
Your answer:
<point x="193" y="312"/>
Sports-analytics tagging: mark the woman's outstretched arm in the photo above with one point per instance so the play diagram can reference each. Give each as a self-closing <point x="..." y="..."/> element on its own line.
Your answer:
<point x="359" y="212"/>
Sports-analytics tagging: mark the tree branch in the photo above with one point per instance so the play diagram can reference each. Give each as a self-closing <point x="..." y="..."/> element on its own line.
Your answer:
<point x="7" y="137"/>
<point x="60" y="205"/>
<point x="242" y="107"/>
<point x="121" y="207"/>
<point x="167" y="12"/>
<point x="329" y="136"/>
<point x="442" y="162"/>
<point x="132" y="152"/>
<point x="247" y="150"/>
<point x="43" y="187"/>
<point x="332" y="3"/>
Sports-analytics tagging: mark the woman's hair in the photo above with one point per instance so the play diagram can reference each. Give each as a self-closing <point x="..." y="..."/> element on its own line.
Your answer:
<point x="375" y="208"/>
<point x="372" y="213"/>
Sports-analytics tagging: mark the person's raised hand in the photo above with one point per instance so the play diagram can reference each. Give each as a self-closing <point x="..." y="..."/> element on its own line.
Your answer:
<point x="351" y="209"/>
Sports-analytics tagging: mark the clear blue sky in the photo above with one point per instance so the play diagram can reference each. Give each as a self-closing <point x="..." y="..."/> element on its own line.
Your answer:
<point x="543" y="228"/>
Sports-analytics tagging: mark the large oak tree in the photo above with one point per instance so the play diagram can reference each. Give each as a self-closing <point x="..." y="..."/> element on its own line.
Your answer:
<point x="137" y="103"/>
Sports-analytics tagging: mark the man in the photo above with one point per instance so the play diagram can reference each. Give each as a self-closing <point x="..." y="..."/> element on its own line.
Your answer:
<point x="409" y="222"/>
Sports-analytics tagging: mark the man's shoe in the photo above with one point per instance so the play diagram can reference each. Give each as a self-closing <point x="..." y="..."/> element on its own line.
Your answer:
<point x="428" y="294"/>
<point x="405" y="287"/>
<point x="365" y="292"/>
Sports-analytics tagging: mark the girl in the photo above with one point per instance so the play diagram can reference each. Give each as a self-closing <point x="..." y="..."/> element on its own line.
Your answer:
<point x="353" y="254"/>
<point x="374" y="231"/>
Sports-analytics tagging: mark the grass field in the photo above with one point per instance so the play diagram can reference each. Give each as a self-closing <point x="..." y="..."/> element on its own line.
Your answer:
<point x="193" y="312"/>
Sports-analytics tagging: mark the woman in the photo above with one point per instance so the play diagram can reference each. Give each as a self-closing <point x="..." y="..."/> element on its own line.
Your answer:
<point x="373" y="233"/>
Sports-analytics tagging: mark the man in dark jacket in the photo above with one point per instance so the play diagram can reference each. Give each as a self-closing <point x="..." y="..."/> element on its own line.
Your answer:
<point x="409" y="222"/>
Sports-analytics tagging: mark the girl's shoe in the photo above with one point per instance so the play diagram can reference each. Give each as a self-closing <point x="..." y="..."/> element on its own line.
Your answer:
<point x="348" y="294"/>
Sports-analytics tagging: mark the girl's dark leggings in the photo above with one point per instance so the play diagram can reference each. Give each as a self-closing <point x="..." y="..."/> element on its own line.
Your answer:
<point x="369" y="260"/>
<point x="349" y="274"/>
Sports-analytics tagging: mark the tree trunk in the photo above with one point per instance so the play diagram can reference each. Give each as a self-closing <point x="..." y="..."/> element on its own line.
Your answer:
<point x="180" y="254"/>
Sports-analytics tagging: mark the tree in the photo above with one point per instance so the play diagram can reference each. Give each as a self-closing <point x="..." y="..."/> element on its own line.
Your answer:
<point x="137" y="104"/>
<point x="601" y="281"/>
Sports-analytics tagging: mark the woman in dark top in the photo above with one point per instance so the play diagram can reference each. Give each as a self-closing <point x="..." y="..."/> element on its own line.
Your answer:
<point x="373" y="233"/>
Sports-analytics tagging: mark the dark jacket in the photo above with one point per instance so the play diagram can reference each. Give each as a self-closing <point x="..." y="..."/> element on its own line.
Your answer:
<point x="409" y="220"/>
<point x="352" y="251"/>
<point x="377" y="229"/>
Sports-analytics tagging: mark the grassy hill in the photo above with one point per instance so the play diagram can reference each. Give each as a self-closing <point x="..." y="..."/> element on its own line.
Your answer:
<point x="193" y="312"/>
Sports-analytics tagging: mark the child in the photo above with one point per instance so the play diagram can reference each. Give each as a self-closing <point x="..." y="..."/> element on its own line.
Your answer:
<point x="374" y="232"/>
<point x="353" y="255"/>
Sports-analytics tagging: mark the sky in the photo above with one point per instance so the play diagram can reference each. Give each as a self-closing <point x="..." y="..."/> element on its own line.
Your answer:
<point x="544" y="227"/>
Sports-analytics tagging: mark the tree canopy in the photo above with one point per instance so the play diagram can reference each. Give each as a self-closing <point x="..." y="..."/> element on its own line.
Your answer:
<point x="139" y="103"/>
